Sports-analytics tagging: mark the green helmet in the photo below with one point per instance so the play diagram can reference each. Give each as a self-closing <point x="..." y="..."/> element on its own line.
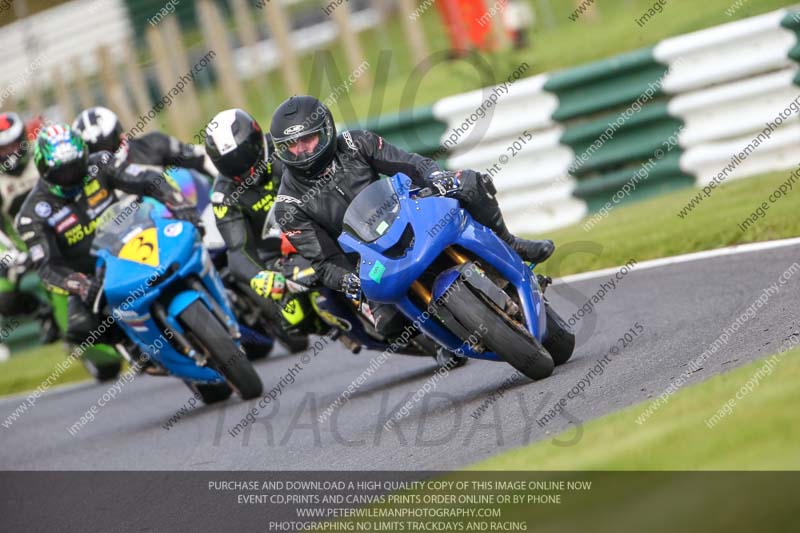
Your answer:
<point x="61" y="157"/>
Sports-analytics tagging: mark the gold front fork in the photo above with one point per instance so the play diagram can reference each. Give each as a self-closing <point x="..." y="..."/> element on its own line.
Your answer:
<point x="421" y="291"/>
<point x="459" y="258"/>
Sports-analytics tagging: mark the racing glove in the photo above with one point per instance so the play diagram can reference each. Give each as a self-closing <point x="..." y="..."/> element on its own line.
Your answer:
<point x="269" y="284"/>
<point x="185" y="212"/>
<point x="446" y="182"/>
<point x="351" y="286"/>
<point x="83" y="286"/>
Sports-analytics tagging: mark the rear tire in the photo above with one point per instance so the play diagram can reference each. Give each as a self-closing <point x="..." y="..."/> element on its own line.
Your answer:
<point x="210" y="392"/>
<point x="517" y="348"/>
<point x="225" y="355"/>
<point x="559" y="340"/>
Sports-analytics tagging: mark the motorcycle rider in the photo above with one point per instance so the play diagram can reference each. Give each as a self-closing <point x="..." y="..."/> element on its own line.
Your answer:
<point x="58" y="219"/>
<point x="18" y="176"/>
<point x="102" y="131"/>
<point x="325" y="171"/>
<point x="243" y="195"/>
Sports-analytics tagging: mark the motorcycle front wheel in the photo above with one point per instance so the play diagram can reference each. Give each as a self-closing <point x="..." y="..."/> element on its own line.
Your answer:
<point x="225" y="355"/>
<point x="510" y="342"/>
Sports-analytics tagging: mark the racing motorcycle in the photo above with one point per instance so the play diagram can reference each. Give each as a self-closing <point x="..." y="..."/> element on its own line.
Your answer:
<point x="466" y="289"/>
<point x="161" y="286"/>
<point x="318" y="310"/>
<point x="257" y="333"/>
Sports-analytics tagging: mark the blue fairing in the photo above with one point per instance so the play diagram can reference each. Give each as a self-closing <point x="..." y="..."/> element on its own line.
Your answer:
<point x="132" y="287"/>
<point x="438" y="223"/>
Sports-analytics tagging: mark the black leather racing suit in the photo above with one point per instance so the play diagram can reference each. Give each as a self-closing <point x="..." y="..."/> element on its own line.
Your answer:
<point x="160" y="149"/>
<point x="310" y="212"/>
<point x="241" y="210"/>
<point x="59" y="230"/>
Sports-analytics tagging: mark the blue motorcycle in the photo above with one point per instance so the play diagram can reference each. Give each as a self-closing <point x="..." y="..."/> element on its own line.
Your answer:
<point x="257" y="332"/>
<point x="459" y="283"/>
<point x="161" y="286"/>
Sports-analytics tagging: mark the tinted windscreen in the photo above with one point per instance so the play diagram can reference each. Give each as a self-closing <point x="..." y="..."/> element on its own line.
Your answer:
<point x="119" y="220"/>
<point x="372" y="212"/>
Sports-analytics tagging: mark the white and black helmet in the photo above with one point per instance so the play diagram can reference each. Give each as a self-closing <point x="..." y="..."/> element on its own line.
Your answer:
<point x="237" y="146"/>
<point x="100" y="129"/>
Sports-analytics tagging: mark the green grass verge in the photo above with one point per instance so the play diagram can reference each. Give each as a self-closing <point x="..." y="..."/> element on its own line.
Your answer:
<point x="26" y="370"/>
<point x="761" y="433"/>
<point x="651" y="228"/>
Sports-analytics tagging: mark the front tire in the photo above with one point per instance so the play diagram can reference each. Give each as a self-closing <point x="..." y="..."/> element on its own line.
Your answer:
<point x="224" y="354"/>
<point x="559" y="339"/>
<point x="517" y="348"/>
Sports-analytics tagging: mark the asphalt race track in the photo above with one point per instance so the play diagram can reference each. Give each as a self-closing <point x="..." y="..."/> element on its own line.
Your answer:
<point x="681" y="308"/>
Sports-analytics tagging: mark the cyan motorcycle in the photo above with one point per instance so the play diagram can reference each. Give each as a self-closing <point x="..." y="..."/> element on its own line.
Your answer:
<point x="161" y="286"/>
<point x="257" y="332"/>
<point x="453" y="278"/>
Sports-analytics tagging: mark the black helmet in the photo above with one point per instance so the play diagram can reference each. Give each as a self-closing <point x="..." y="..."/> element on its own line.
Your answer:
<point x="236" y="146"/>
<point x="304" y="134"/>
<point x="61" y="157"/>
<point x="13" y="144"/>
<point x="100" y="129"/>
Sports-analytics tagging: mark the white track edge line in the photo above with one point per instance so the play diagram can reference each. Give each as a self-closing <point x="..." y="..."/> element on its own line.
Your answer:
<point x="685" y="258"/>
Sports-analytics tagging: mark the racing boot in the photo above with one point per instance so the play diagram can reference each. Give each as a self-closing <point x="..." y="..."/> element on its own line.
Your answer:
<point x="488" y="213"/>
<point x="529" y="250"/>
<point x="477" y="192"/>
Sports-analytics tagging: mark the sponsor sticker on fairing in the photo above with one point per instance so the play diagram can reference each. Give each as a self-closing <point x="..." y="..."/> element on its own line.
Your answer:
<point x="174" y="229"/>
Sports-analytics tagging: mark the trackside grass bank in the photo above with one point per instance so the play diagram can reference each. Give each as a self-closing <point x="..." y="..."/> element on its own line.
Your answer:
<point x="745" y="419"/>
<point x="652" y="229"/>
<point x="27" y="370"/>
<point x="695" y="465"/>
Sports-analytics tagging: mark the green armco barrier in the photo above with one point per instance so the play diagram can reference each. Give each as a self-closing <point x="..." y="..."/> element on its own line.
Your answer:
<point x="792" y="22"/>
<point x="638" y="138"/>
<point x="604" y="84"/>
<point x="666" y="175"/>
<point x="415" y="131"/>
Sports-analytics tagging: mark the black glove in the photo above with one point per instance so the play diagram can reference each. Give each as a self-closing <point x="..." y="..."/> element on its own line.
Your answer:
<point x="186" y="212"/>
<point x="85" y="287"/>
<point x="351" y="286"/>
<point x="446" y="182"/>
